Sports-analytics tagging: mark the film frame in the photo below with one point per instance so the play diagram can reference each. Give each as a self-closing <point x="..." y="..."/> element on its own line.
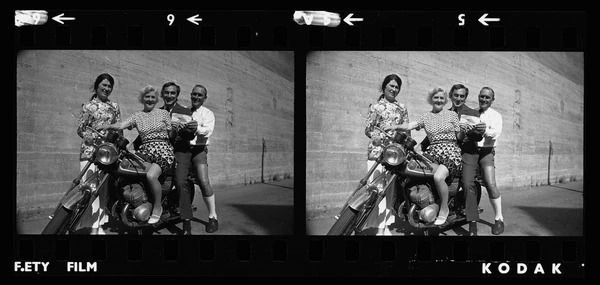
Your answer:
<point x="301" y="254"/>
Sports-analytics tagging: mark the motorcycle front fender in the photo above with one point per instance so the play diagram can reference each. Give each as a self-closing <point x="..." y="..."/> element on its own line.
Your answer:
<point x="74" y="197"/>
<point x="83" y="192"/>
<point x="359" y="199"/>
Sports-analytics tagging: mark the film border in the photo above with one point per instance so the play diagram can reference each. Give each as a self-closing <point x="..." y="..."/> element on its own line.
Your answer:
<point x="299" y="254"/>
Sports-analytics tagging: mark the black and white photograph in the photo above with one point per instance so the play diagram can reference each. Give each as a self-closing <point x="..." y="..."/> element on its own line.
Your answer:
<point x="444" y="143"/>
<point x="154" y="142"/>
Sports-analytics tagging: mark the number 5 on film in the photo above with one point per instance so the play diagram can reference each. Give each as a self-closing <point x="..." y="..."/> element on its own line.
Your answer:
<point x="461" y="19"/>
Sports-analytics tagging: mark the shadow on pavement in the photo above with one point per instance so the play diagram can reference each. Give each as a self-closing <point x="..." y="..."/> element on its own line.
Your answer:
<point x="559" y="221"/>
<point x="565" y="188"/>
<point x="267" y="219"/>
<point x="276" y="185"/>
<point x="405" y="228"/>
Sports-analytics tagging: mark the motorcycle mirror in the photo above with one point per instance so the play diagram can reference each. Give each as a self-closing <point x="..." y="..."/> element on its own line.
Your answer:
<point x="410" y="143"/>
<point x="112" y="136"/>
<point x="122" y="143"/>
<point x="400" y="137"/>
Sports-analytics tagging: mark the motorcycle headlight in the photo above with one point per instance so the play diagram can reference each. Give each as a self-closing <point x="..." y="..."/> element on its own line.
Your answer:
<point x="107" y="153"/>
<point x="394" y="154"/>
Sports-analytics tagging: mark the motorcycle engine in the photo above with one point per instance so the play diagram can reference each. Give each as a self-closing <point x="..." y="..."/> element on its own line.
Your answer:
<point x="421" y="195"/>
<point x="135" y="195"/>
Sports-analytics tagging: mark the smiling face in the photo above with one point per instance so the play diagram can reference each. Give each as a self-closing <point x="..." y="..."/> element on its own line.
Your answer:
<point x="459" y="96"/>
<point x="103" y="90"/>
<point x="198" y="96"/>
<point x="438" y="101"/>
<point x="391" y="90"/>
<point x="486" y="98"/>
<point x="149" y="100"/>
<point x="169" y="95"/>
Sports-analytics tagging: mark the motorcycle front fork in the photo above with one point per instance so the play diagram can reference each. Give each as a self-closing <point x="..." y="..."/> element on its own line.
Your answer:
<point x="88" y="196"/>
<point x="366" y="212"/>
<point x="361" y="184"/>
<point x="372" y="203"/>
<point x="74" y="184"/>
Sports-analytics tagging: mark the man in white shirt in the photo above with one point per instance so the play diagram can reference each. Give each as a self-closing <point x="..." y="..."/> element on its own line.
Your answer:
<point x="487" y="151"/>
<point x="199" y="146"/>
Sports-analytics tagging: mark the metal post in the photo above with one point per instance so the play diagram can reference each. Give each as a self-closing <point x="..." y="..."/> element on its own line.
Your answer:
<point x="262" y="164"/>
<point x="549" y="158"/>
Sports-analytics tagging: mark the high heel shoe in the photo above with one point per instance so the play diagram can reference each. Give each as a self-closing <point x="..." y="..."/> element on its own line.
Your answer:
<point x="155" y="218"/>
<point x="440" y="220"/>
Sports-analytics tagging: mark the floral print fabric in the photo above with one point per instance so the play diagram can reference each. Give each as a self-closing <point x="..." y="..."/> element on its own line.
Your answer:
<point x="95" y="113"/>
<point x="382" y="114"/>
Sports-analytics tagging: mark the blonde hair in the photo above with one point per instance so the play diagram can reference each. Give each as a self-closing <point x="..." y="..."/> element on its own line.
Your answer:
<point x="145" y="91"/>
<point x="434" y="91"/>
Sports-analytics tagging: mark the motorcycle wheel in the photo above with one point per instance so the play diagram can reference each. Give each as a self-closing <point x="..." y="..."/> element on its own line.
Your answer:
<point x="59" y="222"/>
<point x="344" y="225"/>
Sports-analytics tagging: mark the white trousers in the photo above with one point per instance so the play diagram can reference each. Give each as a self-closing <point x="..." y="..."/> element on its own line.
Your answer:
<point x="382" y="216"/>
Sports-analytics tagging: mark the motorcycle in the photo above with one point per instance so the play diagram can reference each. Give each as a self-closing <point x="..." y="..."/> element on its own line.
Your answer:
<point x="417" y="200"/>
<point x="122" y="173"/>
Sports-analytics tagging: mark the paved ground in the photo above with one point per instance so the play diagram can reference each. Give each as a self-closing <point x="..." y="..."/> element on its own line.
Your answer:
<point x="267" y="209"/>
<point x="258" y="209"/>
<point x="555" y="210"/>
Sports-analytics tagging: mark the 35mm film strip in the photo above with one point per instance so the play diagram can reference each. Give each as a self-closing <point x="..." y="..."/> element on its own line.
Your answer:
<point x="304" y="30"/>
<point x="286" y="256"/>
<point x="299" y="253"/>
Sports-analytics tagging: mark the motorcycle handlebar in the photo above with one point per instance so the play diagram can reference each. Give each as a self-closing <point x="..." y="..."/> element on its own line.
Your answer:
<point x="384" y="132"/>
<point x="96" y="131"/>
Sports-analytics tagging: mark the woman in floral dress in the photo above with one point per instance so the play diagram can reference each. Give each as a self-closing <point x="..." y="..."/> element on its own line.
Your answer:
<point x="442" y="128"/>
<point x="153" y="126"/>
<point x="98" y="111"/>
<point x="387" y="111"/>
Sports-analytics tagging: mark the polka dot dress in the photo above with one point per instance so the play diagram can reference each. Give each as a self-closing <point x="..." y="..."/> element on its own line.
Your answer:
<point x="441" y="130"/>
<point x="154" y="127"/>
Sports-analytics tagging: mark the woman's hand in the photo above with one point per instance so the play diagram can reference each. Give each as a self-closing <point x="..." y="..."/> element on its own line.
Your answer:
<point x="376" y="141"/>
<point x="88" y="140"/>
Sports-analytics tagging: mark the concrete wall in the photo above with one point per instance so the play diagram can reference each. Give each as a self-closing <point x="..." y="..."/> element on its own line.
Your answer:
<point x="539" y="94"/>
<point x="250" y="92"/>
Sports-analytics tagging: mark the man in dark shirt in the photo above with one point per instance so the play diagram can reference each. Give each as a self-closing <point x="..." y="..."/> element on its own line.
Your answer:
<point x="470" y="155"/>
<point x="181" y="146"/>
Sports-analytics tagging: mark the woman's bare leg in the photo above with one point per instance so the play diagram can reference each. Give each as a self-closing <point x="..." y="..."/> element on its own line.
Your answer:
<point x="152" y="175"/>
<point x="439" y="177"/>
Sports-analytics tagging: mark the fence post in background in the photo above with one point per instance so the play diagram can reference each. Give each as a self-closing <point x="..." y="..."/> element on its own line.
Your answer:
<point x="262" y="163"/>
<point x="549" y="158"/>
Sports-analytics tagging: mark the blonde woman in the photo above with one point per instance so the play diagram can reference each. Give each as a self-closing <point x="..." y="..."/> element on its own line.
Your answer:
<point x="442" y="128"/>
<point x="154" y="126"/>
